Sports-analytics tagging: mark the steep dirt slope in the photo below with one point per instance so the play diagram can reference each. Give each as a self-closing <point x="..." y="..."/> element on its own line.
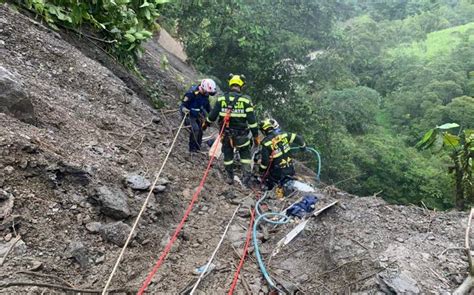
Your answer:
<point x="63" y="167"/>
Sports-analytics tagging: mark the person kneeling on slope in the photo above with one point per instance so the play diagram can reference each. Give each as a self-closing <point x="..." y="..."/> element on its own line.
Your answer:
<point x="276" y="165"/>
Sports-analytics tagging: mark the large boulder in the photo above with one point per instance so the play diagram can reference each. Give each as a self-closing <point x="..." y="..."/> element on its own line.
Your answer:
<point x="112" y="202"/>
<point x="14" y="101"/>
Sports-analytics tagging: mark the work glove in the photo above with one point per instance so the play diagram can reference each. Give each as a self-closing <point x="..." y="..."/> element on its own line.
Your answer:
<point x="185" y="110"/>
<point x="256" y="141"/>
<point x="204" y="125"/>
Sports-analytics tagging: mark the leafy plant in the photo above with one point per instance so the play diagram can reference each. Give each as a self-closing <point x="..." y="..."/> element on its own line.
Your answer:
<point x="124" y="24"/>
<point x="460" y="149"/>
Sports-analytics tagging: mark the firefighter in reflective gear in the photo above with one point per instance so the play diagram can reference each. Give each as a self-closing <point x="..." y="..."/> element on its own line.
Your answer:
<point x="276" y="165"/>
<point x="196" y="105"/>
<point x="239" y="110"/>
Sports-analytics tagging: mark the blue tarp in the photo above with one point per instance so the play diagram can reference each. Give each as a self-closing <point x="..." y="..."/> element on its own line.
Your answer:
<point x="306" y="205"/>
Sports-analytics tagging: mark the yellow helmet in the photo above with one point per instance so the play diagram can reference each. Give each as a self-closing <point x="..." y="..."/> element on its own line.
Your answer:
<point x="236" y="80"/>
<point x="266" y="125"/>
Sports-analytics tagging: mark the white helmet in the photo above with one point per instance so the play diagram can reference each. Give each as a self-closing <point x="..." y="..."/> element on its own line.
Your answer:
<point x="275" y="124"/>
<point x="208" y="86"/>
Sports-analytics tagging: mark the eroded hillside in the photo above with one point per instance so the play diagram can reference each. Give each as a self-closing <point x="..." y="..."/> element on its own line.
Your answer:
<point x="71" y="133"/>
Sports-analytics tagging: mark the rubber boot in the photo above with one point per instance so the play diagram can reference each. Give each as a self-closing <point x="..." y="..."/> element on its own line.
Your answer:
<point x="230" y="177"/>
<point x="246" y="179"/>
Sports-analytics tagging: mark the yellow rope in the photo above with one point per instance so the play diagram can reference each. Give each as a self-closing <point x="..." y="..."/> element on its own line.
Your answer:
<point x="104" y="291"/>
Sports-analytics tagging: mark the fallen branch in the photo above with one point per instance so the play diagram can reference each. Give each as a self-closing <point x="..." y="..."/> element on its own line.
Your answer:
<point x="369" y="275"/>
<point x="450" y="249"/>
<point x="38" y="274"/>
<point x="469" y="281"/>
<point x="17" y="238"/>
<point x="170" y="111"/>
<point x="52" y="286"/>
<point x="439" y="276"/>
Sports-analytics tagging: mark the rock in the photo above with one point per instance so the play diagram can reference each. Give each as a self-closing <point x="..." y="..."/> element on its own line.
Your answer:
<point x="93" y="227"/>
<point x="14" y="101"/>
<point x="400" y="240"/>
<point x="8" y="237"/>
<point x="77" y="251"/>
<point x="112" y="202"/>
<point x="159" y="189"/>
<point x="19" y="248"/>
<point x="162" y="181"/>
<point x="36" y="265"/>
<point x="6" y="207"/>
<point x="100" y="259"/>
<point x="431" y="238"/>
<point x="137" y="182"/>
<point x="401" y="283"/>
<point x="9" y="170"/>
<point x="4" y="195"/>
<point x="116" y="233"/>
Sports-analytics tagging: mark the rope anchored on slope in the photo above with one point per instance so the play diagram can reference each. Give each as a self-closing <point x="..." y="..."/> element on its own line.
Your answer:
<point x="117" y="263"/>
<point x="167" y="249"/>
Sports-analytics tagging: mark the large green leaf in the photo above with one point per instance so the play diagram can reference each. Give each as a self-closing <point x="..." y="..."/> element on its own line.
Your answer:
<point x="450" y="140"/>
<point x="423" y="142"/>
<point x="448" y="126"/>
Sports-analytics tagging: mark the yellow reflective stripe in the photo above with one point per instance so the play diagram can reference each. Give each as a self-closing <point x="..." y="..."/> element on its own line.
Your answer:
<point x="248" y="110"/>
<point x="278" y="155"/>
<point x="263" y="166"/>
<point x="222" y="98"/>
<point x="233" y="115"/>
<point x="245" y="144"/>
<point x="245" y="161"/>
<point x="268" y="143"/>
<point x="292" y="138"/>
<point x="244" y="100"/>
<point x="254" y="125"/>
<point x="228" y="162"/>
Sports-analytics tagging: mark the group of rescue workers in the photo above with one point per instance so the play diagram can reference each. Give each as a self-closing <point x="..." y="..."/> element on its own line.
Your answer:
<point x="235" y="113"/>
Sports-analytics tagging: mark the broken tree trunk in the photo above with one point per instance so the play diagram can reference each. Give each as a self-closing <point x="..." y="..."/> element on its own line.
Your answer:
<point x="469" y="281"/>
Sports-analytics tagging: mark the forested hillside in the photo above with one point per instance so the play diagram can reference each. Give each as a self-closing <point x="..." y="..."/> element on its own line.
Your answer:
<point x="362" y="81"/>
<point x="88" y="118"/>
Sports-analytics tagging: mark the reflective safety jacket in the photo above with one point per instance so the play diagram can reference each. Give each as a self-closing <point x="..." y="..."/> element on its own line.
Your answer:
<point x="242" y="116"/>
<point x="196" y="102"/>
<point x="276" y="149"/>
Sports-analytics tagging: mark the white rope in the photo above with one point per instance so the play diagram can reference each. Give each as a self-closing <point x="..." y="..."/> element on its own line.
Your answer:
<point x="104" y="291"/>
<point x="215" y="251"/>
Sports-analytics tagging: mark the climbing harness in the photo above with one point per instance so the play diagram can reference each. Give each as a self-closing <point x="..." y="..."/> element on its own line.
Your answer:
<point x="167" y="249"/>
<point x="214" y="253"/>
<point x="104" y="291"/>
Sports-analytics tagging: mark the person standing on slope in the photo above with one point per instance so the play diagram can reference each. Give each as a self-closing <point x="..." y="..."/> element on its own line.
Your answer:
<point x="239" y="110"/>
<point x="196" y="105"/>
<point x="276" y="166"/>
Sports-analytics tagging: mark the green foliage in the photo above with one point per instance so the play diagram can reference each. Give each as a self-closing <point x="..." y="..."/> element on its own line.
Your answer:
<point x="437" y="43"/>
<point x="460" y="149"/>
<point x="361" y="80"/>
<point x="124" y="23"/>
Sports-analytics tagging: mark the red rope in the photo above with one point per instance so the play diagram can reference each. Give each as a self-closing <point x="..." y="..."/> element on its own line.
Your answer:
<point x="249" y="234"/>
<point x="186" y="214"/>
<point x="242" y="259"/>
